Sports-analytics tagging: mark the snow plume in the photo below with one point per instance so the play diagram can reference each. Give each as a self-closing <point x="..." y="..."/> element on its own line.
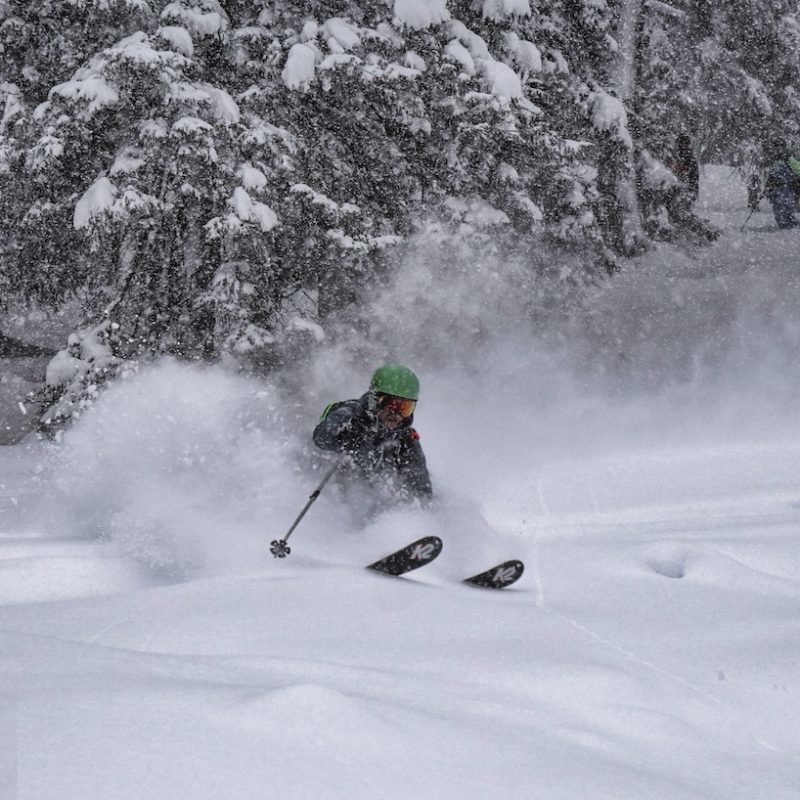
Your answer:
<point x="670" y="350"/>
<point x="456" y="294"/>
<point x="461" y="317"/>
<point x="176" y="466"/>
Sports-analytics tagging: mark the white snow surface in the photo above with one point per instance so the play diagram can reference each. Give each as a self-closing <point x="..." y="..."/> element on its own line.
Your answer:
<point x="248" y="209"/>
<point x="94" y="202"/>
<point x="461" y="55"/>
<point x="179" y="38"/>
<point x="209" y="21"/>
<point x="419" y="14"/>
<point x="299" y="69"/>
<point x="498" y="10"/>
<point x="342" y="33"/>
<point x="471" y="40"/>
<point x="525" y="53"/>
<point x="87" y="86"/>
<point x="223" y="105"/>
<point x="609" y="114"/>
<point x="252" y="177"/>
<point x="125" y="163"/>
<point x="646" y="468"/>
<point x="504" y="82"/>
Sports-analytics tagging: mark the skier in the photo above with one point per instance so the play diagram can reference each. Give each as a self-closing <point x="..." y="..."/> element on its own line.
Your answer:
<point x="376" y="431"/>
<point x="682" y="196"/>
<point x="781" y="188"/>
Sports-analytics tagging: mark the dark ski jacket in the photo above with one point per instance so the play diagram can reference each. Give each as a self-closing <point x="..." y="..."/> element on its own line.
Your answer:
<point x="781" y="181"/>
<point x="351" y="427"/>
<point x="781" y="191"/>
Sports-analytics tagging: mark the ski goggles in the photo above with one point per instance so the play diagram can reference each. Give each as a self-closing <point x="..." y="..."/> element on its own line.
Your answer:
<point x="396" y="405"/>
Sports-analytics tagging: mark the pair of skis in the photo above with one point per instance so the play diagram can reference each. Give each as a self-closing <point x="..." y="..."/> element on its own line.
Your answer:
<point x="412" y="556"/>
<point x="423" y="551"/>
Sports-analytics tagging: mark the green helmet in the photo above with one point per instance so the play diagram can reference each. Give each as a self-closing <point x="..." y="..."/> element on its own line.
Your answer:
<point x="396" y="380"/>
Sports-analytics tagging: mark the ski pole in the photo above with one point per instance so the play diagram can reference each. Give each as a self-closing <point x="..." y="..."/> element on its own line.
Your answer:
<point x="279" y="547"/>
<point x="748" y="219"/>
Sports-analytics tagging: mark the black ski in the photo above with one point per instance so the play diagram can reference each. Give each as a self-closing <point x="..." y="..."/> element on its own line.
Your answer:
<point x="498" y="577"/>
<point x="412" y="556"/>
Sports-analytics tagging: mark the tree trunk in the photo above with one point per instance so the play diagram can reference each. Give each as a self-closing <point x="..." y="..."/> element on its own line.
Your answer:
<point x="624" y="80"/>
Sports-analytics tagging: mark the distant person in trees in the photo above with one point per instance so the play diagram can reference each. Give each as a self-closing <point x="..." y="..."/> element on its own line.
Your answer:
<point x="781" y="187"/>
<point x="754" y="192"/>
<point x="683" y="195"/>
<point x="684" y="166"/>
<point x="376" y="431"/>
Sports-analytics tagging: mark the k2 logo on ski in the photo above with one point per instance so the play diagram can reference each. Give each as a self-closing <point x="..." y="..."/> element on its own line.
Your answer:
<point x="504" y="575"/>
<point x="422" y="552"/>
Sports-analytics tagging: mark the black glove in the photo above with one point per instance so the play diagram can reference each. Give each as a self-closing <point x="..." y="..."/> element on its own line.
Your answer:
<point x="355" y="436"/>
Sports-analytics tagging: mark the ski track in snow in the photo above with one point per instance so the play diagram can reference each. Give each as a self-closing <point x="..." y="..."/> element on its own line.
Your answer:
<point x="627" y="654"/>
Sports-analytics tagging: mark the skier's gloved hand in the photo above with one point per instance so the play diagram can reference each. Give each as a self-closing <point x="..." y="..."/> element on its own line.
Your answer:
<point x="354" y="436"/>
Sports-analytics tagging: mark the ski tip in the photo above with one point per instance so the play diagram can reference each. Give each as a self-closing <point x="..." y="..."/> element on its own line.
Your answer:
<point x="409" y="558"/>
<point x="498" y="577"/>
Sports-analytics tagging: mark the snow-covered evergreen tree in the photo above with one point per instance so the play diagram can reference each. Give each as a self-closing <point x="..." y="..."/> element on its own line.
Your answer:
<point x="213" y="176"/>
<point x="138" y="172"/>
<point x="412" y="108"/>
<point x="728" y="73"/>
<point x="41" y="46"/>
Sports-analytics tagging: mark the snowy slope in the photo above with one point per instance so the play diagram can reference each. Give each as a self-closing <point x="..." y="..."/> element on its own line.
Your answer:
<point x="648" y="474"/>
